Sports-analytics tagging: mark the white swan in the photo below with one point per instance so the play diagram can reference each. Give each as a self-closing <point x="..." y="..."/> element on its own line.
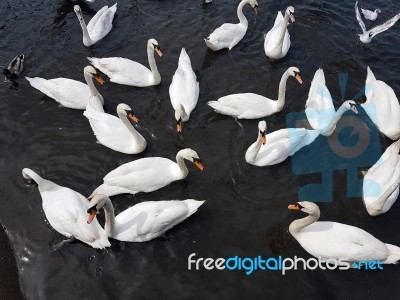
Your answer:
<point x="147" y="174"/>
<point x="144" y="221"/>
<point x="319" y="106"/>
<point x="367" y="35"/>
<point x="370" y="15"/>
<point x="70" y="93"/>
<point x="116" y="133"/>
<point x="253" y="106"/>
<point x="15" y="67"/>
<point x="277" y="146"/>
<point x="65" y="210"/>
<point x="336" y="240"/>
<point x="381" y="182"/>
<point x="228" y="34"/>
<point x="129" y="72"/>
<point x="99" y="26"/>
<point x="382" y="106"/>
<point x="277" y="40"/>
<point x="184" y="90"/>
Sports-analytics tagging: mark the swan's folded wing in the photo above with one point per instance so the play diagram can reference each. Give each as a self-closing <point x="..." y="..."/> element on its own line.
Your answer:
<point x="95" y="18"/>
<point x="385" y="26"/>
<point x="106" y="124"/>
<point x="358" y="16"/>
<point x="224" y="34"/>
<point x="273" y="34"/>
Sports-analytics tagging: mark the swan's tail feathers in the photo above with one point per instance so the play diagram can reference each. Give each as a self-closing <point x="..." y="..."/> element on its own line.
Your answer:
<point x="319" y="75"/>
<point x="222" y="109"/>
<point x="394" y="255"/>
<point x="114" y="8"/>
<point x="370" y="75"/>
<point x="184" y="57"/>
<point x="40" y="84"/>
<point x="193" y="205"/>
<point x="109" y="191"/>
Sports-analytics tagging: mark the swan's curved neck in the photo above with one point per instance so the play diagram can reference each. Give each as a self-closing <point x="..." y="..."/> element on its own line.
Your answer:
<point x="298" y="225"/>
<point x="282" y="91"/>
<point x="283" y="31"/>
<point x="87" y="41"/>
<point x="43" y="184"/>
<point x="241" y="16"/>
<point x="182" y="166"/>
<point x="89" y="82"/>
<point x="137" y="137"/>
<point x="252" y="152"/>
<point x="153" y="65"/>
<point x="379" y="203"/>
<point x="109" y="227"/>
<point x="330" y="128"/>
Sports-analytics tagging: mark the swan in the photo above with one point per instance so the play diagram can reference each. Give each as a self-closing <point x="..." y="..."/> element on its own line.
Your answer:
<point x="99" y="26"/>
<point x="144" y="221"/>
<point x="326" y="240"/>
<point x="65" y="210"/>
<point x="228" y="34"/>
<point x="253" y="106"/>
<point x="367" y="35"/>
<point x="277" y="40"/>
<point x="382" y="106"/>
<point x="115" y="133"/>
<point x="370" y="15"/>
<point x="15" y="67"/>
<point x="129" y="72"/>
<point x="184" y="90"/>
<point x="319" y="107"/>
<point x="275" y="147"/>
<point x="147" y="174"/>
<point x="381" y="182"/>
<point x="70" y="93"/>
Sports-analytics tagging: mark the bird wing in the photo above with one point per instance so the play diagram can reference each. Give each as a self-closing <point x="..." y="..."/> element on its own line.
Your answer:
<point x="385" y="26"/>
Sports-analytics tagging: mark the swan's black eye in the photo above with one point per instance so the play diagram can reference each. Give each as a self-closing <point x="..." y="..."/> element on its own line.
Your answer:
<point x="299" y="205"/>
<point x="89" y="211"/>
<point x="179" y="121"/>
<point x="196" y="160"/>
<point x="296" y="73"/>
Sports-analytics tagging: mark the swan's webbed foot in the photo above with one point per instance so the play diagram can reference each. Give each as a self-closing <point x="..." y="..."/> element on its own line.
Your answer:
<point x="60" y="244"/>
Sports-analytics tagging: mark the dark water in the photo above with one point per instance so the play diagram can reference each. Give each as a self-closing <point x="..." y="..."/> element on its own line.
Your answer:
<point x="246" y="210"/>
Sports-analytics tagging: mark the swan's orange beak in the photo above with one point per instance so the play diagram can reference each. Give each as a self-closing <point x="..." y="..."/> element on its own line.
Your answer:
<point x="92" y="215"/>
<point x="179" y="126"/>
<point x="198" y="164"/>
<point x="263" y="139"/>
<point x="133" y="118"/>
<point x="294" y="207"/>
<point x="298" y="78"/>
<point x="99" y="79"/>
<point x="158" y="51"/>
<point x="255" y="9"/>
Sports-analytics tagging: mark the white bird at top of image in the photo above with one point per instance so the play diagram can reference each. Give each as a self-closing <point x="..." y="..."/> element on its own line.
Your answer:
<point x="369" y="14"/>
<point x="228" y="34"/>
<point x="367" y="35"/>
<point x="99" y="26"/>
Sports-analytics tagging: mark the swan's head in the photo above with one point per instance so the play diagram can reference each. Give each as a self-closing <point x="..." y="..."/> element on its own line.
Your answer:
<point x="378" y="11"/>
<point x="366" y="38"/>
<point x="26" y="173"/>
<point x="308" y="207"/>
<point x="262" y="127"/>
<point x="95" y="204"/>
<point x="192" y="156"/>
<point x="254" y="5"/>
<point x="179" y="117"/>
<point x="295" y="72"/>
<point x="78" y="12"/>
<point x="125" y="110"/>
<point x="92" y="72"/>
<point x="350" y="105"/>
<point x="290" y="13"/>
<point x="153" y="44"/>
